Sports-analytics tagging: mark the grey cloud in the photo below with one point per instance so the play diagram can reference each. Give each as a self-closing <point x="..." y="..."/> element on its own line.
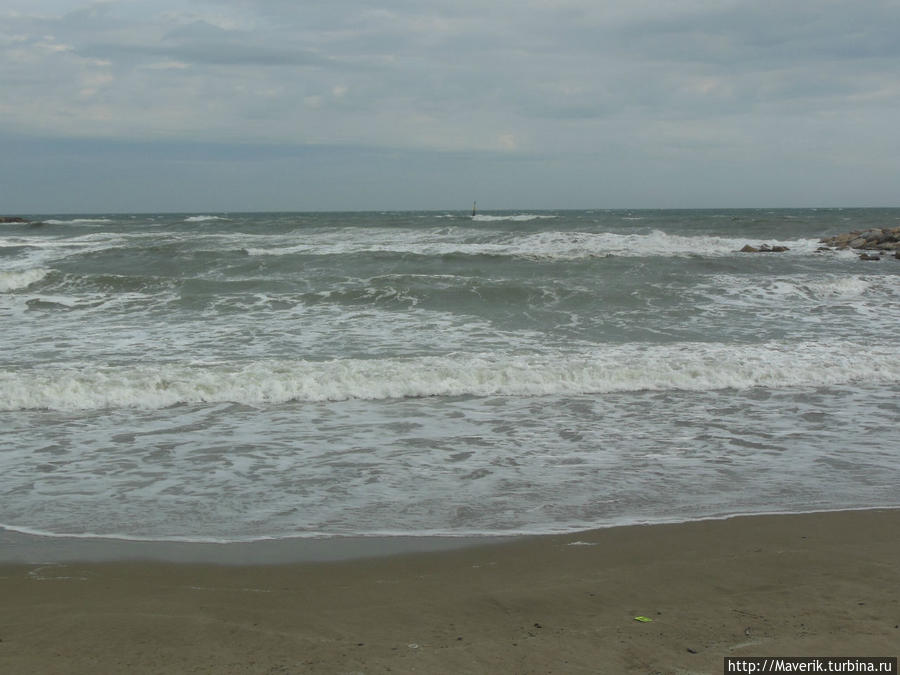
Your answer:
<point x="202" y="30"/>
<point x="691" y="81"/>
<point x="761" y="32"/>
<point x="210" y="53"/>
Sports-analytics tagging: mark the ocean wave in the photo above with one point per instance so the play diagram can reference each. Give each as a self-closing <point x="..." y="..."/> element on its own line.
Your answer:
<point x="882" y="290"/>
<point x="280" y="250"/>
<point x="615" y="368"/>
<point x="577" y="245"/>
<point x="520" y="217"/>
<point x="77" y="221"/>
<point x="540" y="246"/>
<point x="15" y="280"/>
<point x="201" y="219"/>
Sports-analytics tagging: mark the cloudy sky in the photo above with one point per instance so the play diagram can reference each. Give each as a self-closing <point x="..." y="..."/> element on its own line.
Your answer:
<point x="229" y="105"/>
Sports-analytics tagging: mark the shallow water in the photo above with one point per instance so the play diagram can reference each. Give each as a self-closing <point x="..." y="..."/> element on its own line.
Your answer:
<point x="231" y="377"/>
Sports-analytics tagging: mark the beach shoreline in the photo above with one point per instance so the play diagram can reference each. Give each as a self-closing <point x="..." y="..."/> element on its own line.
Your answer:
<point x="23" y="546"/>
<point x="820" y="584"/>
<point x="18" y="547"/>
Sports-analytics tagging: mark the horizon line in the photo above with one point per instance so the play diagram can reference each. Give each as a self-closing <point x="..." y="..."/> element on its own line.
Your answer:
<point x="481" y="210"/>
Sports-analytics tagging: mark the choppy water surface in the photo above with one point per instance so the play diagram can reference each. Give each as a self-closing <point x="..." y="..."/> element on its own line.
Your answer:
<point x="223" y="377"/>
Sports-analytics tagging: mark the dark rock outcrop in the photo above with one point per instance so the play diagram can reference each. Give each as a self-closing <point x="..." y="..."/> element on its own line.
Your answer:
<point x="873" y="239"/>
<point x="12" y="219"/>
<point x="764" y="248"/>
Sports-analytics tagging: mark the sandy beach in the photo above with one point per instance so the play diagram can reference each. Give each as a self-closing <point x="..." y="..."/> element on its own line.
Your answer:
<point x="804" y="585"/>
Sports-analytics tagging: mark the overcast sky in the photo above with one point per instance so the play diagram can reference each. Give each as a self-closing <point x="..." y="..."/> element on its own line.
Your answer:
<point x="230" y="105"/>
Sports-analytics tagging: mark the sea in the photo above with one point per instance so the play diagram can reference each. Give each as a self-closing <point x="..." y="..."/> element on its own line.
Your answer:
<point x="240" y="377"/>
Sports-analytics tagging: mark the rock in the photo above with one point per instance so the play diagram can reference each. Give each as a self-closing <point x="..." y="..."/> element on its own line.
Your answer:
<point x="12" y="219"/>
<point x="872" y="239"/>
<point x="840" y="239"/>
<point x="763" y="248"/>
<point x="866" y="256"/>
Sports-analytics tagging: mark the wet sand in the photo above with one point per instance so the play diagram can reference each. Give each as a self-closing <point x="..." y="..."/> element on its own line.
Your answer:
<point x="807" y="585"/>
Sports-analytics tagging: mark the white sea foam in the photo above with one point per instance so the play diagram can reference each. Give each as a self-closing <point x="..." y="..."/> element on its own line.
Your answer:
<point x="123" y="536"/>
<point x="520" y="217"/>
<point x="853" y="286"/>
<point x="43" y="252"/>
<point x="548" y="246"/>
<point x="280" y="250"/>
<point x="865" y="292"/>
<point x="616" y="368"/>
<point x="575" y="245"/>
<point x="14" y="280"/>
<point x="575" y="528"/>
<point x="200" y="219"/>
<point x="78" y="221"/>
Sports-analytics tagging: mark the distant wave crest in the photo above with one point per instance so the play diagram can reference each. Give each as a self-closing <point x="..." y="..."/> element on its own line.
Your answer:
<point x="200" y="219"/>
<point x="77" y="221"/>
<point x="520" y="217"/>
<point x="541" y="246"/>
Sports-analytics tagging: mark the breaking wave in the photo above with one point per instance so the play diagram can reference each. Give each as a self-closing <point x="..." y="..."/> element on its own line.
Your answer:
<point x="521" y="218"/>
<point x="18" y="279"/>
<point x="546" y="246"/>
<point x="77" y="221"/>
<point x="201" y="219"/>
<point x="617" y="368"/>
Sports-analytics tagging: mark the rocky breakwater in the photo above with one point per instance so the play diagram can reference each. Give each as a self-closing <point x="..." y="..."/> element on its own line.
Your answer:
<point x="880" y="240"/>
<point x="18" y="220"/>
